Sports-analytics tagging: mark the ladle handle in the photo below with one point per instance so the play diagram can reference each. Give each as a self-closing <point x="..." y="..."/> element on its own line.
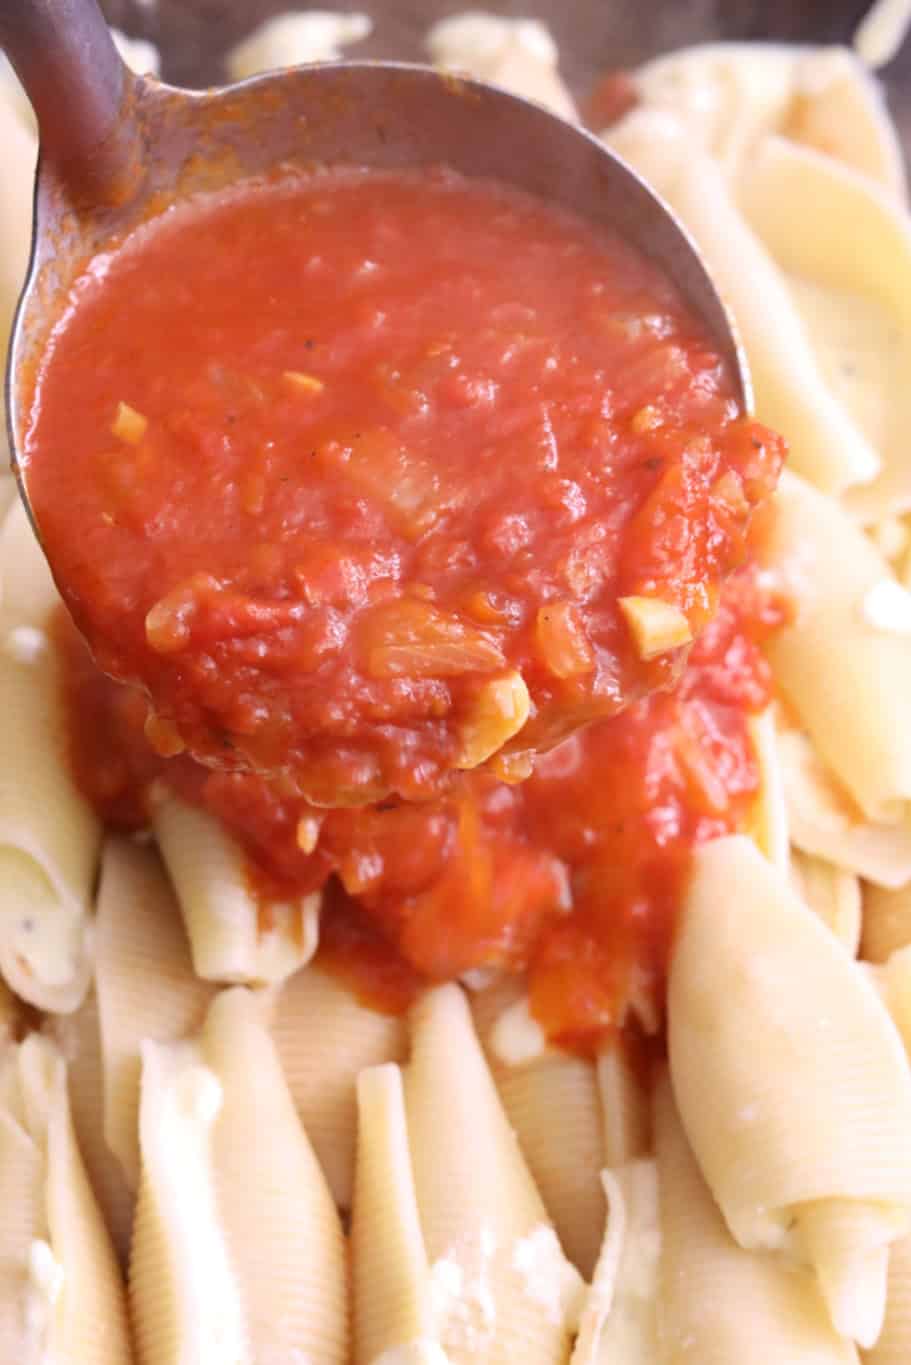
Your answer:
<point x="64" y="55"/>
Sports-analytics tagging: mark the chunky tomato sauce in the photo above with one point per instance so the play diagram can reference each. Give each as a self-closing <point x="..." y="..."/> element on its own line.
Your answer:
<point x="573" y="877"/>
<point x="355" y="473"/>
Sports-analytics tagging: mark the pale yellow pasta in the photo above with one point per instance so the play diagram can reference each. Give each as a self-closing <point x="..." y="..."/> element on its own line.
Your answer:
<point x="501" y="1287"/>
<point x="825" y="444"/>
<point x="79" y="1038"/>
<point x="325" y="1038"/>
<point x="20" y="155"/>
<point x="144" y="981"/>
<point x="886" y="921"/>
<point x="392" y="1308"/>
<point x="49" y="835"/>
<point x="238" y="1251"/>
<point x="552" y="1101"/>
<point x="894" y="1344"/>
<point x="838" y="664"/>
<point x="61" y="1293"/>
<point x="769" y="824"/>
<point x="517" y="54"/>
<point x="718" y="1303"/>
<point x="232" y="938"/>
<point x="620" y="1318"/>
<point x="882" y="30"/>
<point x="826" y="223"/>
<point x="791" y="1080"/>
<point x="732" y="94"/>
<point x="825" y="822"/>
<point x="833" y="894"/>
<point x="624" y="1107"/>
<point x="292" y="38"/>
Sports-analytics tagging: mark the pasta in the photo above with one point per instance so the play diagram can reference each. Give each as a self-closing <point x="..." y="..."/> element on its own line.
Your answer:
<point x="501" y="1287"/>
<point x="61" y="1294"/>
<point x="238" y="1249"/>
<point x="507" y="1199"/>
<point x="833" y="1182"/>
<point x="231" y="937"/>
<point x="553" y="1103"/>
<point x="325" y="1039"/>
<point x="49" y="835"/>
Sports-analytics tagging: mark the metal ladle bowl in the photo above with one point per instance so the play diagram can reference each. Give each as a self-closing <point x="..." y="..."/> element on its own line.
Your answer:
<point x="118" y="149"/>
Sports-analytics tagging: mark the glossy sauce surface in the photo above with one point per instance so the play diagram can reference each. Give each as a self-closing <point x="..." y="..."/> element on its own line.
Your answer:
<point x="347" y="472"/>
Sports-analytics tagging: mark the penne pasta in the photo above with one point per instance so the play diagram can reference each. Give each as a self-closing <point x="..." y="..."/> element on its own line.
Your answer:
<point x="517" y="54"/>
<point x="49" y="835"/>
<point x="501" y="1287"/>
<point x="325" y="1039"/>
<point x="61" y="1293"/>
<point x="860" y="721"/>
<point x="717" y="1302"/>
<point x="293" y="38"/>
<point x="233" y="937"/>
<point x="238" y="1252"/>
<point x="145" y="985"/>
<point x="392" y="1304"/>
<point x="794" y="1155"/>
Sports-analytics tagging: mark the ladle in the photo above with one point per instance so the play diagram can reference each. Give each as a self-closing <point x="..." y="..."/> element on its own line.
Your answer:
<point x="117" y="149"/>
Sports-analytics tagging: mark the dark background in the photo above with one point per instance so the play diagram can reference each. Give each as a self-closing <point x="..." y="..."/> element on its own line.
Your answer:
<point x="593" y="35"/>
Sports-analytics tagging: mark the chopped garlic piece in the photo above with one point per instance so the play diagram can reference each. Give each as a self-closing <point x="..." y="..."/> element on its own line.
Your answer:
<point x="656" y="625"/>
<point x="307" y="833"/>
<point x="303" y="383"/>
<point x="500" y="710"/>
<point x="129" y="425"/>
<point x="887" y="607"/>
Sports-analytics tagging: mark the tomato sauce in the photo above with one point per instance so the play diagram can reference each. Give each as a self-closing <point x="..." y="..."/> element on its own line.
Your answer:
<point x="353" y="475"/>
<point x="572" y="878"/>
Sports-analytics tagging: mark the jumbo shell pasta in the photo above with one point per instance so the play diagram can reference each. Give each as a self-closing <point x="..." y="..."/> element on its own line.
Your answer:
<point x="780" y="1171"/>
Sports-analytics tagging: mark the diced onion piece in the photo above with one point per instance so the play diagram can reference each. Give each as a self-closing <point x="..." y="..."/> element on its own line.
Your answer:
<point x="129" y="425"/>
<point x="500" y="711"/>
<point x="562" y="640"/>
<point x="303" y="383"/>
<point x="414" y="638"/>
<point x="656" y="625"/>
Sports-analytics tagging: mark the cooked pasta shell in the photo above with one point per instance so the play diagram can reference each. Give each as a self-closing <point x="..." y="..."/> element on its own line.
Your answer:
<point x="519" y="55"/>
<point x="624" y="1107"/>
<point x="620" y="1318"/>
<point x="290" y="39"/>
<point x="502" y="1288"/>
<point x="392" y="1306"/>
<point x="20" y="153"/>
<point x="49" y="836"/>
<point x="237" y="1249"/>
<point x="325" y="1038"/>
<point x="232" y="937"/>
<point x="552" y="1101"/>
<point x="145" y="984"/>
<point x="185" y="1297"/>
<point x="789" y="1074"/>
<point x="281" y="1223"/>
<point x="718" y="1303"/>
<point x="848" y="1242"/>
<point x="860" y="722"/>
<point x="886" y="921"/>
<point x="825" y="223"/>
<point x="79" y="1038"/>
<point x="832" y="893"/>
<point x="61" y="1293"/>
